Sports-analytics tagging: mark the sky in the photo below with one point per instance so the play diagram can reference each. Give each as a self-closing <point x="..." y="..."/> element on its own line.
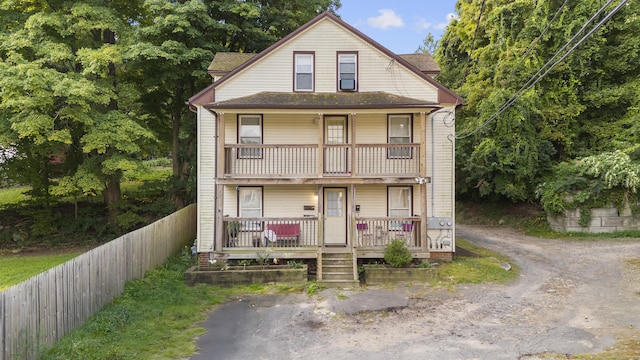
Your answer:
<point x="399" y="25"/>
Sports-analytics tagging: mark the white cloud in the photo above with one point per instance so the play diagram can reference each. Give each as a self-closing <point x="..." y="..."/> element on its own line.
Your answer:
<point x="450" y="17"/>
<point x="387" y="18"/>
<point x="423" y="24"/>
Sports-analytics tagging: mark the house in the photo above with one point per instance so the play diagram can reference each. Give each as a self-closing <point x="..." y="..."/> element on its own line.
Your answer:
<point x="325" y="145"/>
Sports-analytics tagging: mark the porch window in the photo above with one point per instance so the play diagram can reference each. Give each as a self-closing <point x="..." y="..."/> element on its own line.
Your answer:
<point x="250" y="133"/>
<point x="250" y="205"/>
<point x="400" y="132"/>
<point x="399" y="202"/>
<point x="347" y="72"/>
<point x="303" y="70"/>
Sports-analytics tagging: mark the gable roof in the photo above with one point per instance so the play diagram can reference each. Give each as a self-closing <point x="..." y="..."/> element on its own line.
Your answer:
<point x="208" y="94"/>
<point x="423" y="62"/>
<point x="340" y="100"/>
<point x="224" y="62"/>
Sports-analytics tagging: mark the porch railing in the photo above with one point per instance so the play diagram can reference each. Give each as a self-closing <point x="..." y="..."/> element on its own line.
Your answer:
<point x="270" y="232"/>
<point x="388" y="159"/>
<point x="338" y="160"/>
<point x="379" y="232"/>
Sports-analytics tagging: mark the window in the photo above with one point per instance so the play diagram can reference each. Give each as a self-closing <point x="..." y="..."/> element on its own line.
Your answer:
<point x="347" y="71"/>
<point x="303" y="69"/>
<point x="250" y="206"/>
<point x="399" y="202"/>
<point x="399" y="133"/>
<point x="250" y="133"/>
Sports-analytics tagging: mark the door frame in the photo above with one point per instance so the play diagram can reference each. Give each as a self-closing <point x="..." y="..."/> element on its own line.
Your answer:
<point x="345" y="215"/>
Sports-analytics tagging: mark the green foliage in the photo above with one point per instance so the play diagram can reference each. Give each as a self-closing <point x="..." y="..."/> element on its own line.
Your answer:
<point x="594" y="181"/>
<point x="295" y="264"/>
<point x="586" y="106"/>
<point x="396" y="254"/>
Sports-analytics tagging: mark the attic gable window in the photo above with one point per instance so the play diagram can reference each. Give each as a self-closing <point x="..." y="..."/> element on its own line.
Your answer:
<point x="303" y="71"/>
<point x="347" y="71"/>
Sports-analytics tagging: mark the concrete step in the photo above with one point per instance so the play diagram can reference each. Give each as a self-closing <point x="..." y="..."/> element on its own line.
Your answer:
<point x="342" y="284"/>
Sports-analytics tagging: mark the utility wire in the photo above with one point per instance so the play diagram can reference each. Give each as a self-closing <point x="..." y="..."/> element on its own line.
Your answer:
<point x="537" y="77"/>
<point x="535" y="42"/>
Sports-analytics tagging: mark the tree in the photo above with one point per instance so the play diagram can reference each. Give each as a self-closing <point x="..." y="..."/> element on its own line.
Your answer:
<point x="66" y="110"/>
<point x="429" y="45"/>
<point x="583" y="106"/>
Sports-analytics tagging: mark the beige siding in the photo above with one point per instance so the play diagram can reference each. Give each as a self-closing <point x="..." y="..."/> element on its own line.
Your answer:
<point x="206" y="179"/>
<point x="376" y="71"/>
<point x="373" y="200"/>
<point x="290" y="129"/>
<point x="279" y="200"/>
<point x="440" y="202"/>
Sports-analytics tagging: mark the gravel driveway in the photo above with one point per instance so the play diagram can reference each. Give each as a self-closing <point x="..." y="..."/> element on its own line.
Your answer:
<point x="572" y="297"/>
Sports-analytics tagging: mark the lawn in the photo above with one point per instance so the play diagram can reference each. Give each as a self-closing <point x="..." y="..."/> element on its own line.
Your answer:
<point x="18" y="268"/>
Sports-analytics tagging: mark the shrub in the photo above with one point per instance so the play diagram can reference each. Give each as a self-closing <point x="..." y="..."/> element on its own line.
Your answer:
<point x="396" y="254"/>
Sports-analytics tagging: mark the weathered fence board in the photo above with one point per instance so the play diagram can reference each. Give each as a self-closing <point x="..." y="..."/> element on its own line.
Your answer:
<point x="40" y="311"/>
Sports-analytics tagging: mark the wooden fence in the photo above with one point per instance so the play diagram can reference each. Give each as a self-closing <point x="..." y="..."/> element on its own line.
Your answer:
<point x="40" y="311"/>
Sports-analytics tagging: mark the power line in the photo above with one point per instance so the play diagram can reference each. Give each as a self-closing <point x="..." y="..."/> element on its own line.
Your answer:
<point x="537" y="77"/>
<point x="534" y="42"/>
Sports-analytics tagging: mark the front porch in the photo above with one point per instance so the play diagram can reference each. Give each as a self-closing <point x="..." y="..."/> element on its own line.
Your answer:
<point x="303" y="237"/>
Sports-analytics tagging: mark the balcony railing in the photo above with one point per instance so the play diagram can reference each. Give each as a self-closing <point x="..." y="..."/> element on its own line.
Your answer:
<point x="337" y="160"/>
<point x="379" y="232"/>
<point x="270" y="232"/>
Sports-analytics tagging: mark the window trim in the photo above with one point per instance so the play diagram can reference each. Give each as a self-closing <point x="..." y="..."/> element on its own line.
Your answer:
<point x="312" y="54"/>
<point x="338" y="73"/>
<point x="239" y="136"/>
<point x="257" y="226"/>
<point x="389" y="149"/>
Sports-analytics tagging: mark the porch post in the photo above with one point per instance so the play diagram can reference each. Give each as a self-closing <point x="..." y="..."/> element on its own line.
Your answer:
<point x="423" y="187"/>
<point x="219" y="235"/>
<point x="423" y="144"/>
<point x="222" y="158"/>
<point x="320" y="216"/>
<point x="354" y="157"/>
<point x="320" y="169"/>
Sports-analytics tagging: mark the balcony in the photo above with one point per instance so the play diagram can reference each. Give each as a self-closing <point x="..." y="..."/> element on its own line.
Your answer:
<point x="303" y="161"/>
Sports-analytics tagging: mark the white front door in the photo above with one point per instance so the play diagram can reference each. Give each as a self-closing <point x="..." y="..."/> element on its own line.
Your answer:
<point x="335" y="213"/>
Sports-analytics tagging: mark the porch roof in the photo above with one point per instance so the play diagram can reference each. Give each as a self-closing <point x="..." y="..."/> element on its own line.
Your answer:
<point x="340" y="100"/>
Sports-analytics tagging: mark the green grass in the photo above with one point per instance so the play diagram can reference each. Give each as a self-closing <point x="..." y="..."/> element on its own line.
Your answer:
<point x="18" y="268"/>
<point x="13" y="195"/>
<point x="483" y="268"/>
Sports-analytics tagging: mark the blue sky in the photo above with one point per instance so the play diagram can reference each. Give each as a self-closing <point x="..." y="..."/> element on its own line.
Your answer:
<point x="399" y="25"/>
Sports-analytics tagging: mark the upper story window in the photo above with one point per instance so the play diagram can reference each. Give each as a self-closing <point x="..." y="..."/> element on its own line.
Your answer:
<point x="347" y="71"/>
<point x="303" y="71"/>
<point x="399" y="132"/>
<point x="250" y="133"/>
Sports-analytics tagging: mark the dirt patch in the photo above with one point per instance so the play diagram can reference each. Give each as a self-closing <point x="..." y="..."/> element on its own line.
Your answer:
<point x="572" y="297"/>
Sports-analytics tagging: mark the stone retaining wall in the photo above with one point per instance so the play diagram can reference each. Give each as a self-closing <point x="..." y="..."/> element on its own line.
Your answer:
<point x="603" y="220"/>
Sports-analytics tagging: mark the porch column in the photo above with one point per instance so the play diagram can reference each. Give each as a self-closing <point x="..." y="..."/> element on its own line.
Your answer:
<point x="423" y="144"/>
<point x="320" y="216"/>
<point x="423" y="187"/>
<point x="219" y="234"/>
<point x="354" y="157"/>
<point x="320" y="169"/>
<point x="222" y="158"/>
